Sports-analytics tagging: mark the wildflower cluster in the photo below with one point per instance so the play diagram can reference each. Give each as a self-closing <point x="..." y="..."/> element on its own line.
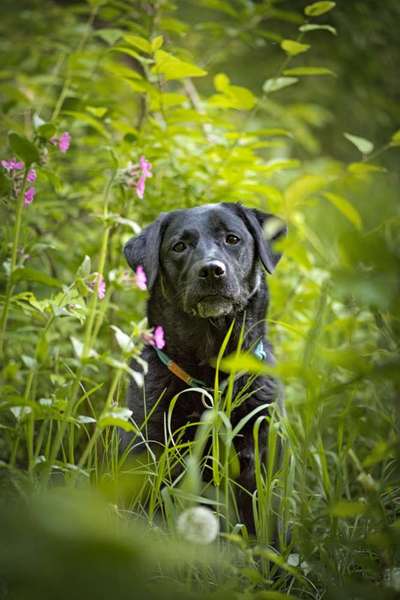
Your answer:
<point x="135" y="175"/>
<point x="15" y="169"/>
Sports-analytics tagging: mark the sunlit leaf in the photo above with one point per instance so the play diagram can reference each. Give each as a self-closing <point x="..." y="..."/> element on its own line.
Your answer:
<point x="345" y="207"/>
<point x="293" y="48"/>
<point x="273" y="85"/>
<point x="174" y="68"/>
<point x="138" y="42"/>
<point x="362" y="144"/>
<point x="308" y="71"/>
<point x="395" y="139"/>
<point x="318" y="8"/>
<point x="313" y="27"/>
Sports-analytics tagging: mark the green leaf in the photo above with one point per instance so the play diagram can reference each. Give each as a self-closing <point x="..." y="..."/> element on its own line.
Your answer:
<point x="23" y="148"/>
<point x="221" y="82"/>
<point x="395" y="140"/>
<point x="234" y="96"/>
<point x="46" y="131"/>
<point x="138" y="42"/>
<point x="109" y="35"/>
<point x="363" y="145"/>
<point x="345" y="207"/>
<point x="345" y="509"/>
<point x="26" y="274"/>
<point x="361" y="169"/>
<point x="318" y="8"/>
<point x="85" y="267"/>
<point x="279" y="164"/>
<point x="311" y="27"/>
<point x="307" y="71"/>
<point x="278" y="83"/>
<point x="118" y="416"/>
<point x="175" y="68"/>
<point x="244" y="362"/>
<point x="293" y="48"/>
<point x="157" y="42"/>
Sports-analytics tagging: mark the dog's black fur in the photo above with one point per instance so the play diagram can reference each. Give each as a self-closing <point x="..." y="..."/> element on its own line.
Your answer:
<point x="204" y="270"/>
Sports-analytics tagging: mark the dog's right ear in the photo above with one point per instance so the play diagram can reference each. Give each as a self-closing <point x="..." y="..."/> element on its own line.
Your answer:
<point x="144" y="250"/>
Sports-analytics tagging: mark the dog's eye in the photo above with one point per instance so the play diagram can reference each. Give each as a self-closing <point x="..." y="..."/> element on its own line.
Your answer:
<point x="232" y="239"/>
<point x="179" y="247"/>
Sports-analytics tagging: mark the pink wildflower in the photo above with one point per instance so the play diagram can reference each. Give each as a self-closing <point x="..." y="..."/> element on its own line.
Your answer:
<point x="29" y="195"/>
<point x="64" y="142"/>
<point x="145" y="167"/>
<point x="12" y="165"/>
<point x="140" y="278"/>
<point x="101" y="287"/>
<point x="140" y="187"/>
<point x="31" y="177"/>
<point x="158" y="337"/>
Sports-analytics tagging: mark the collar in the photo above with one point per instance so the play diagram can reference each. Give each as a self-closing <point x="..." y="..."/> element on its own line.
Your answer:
<point x="259" y="352"/>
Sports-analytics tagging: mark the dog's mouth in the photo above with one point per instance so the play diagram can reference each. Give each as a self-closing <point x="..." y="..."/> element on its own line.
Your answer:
<point x="213" y="305"/>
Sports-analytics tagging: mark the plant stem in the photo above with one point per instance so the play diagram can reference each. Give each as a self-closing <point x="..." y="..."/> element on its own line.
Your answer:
<point x="14" y="254"/>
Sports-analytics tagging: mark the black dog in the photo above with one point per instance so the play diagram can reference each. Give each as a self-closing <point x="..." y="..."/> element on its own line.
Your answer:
<point x="204" y="270"/>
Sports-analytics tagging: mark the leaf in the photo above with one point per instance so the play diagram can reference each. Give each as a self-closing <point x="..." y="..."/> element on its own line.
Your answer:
<point x="157" y="42"/>
<point x="361" y="169"/>
<point x="221" y="82"/>
<point x="85" y="419"/>
<point x="175" y="68"/>
<point x="363" y="145"/>
<point x="312" y="27"/>
<point x="109" y="35"/>
<point x="84" y="268"/>
<point x="46" y="131"/>
<point x="278" y="164"/>
<point x="25" y="274"/>
<point x="395" y="139"/>
<point x="345" y="207"/>
<point x="307" y="71"/>
<point x="278" y="83"/>
<point x="293" y="48"/>
<point x="138" y="42"/>
<point x="23" y="148"/>
<point x="346" y="509"/>
<point x="318" y="8"/>
<point x="117" y="416"/>
<point x="123" y="340"/>
<point x="234" y="97"/>
<point x="244" y="362"/>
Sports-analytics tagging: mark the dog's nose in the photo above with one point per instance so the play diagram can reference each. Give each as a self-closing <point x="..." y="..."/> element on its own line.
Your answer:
<point x="212" y="270"/>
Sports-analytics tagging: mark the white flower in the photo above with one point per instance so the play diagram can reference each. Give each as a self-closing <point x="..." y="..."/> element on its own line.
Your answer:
<point x="198" y="525"/>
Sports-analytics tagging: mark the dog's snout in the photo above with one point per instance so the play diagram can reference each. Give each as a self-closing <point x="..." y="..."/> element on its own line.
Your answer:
<point x="212" y="270"/>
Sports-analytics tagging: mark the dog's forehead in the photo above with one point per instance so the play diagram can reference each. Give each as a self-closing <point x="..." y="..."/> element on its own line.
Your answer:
<point x="209" y="217"/>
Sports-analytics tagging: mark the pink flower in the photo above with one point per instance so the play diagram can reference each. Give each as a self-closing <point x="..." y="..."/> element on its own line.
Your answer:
<point x="158" y="337"/>
<point x="140" y="278"/>
<point x="12" y="165"/>
<point x="101" y="287"/>
<point x="31" y="177"/>
<point x="145" y="167"/>
<point x="64" y="142"/>
<point x="140" y="187"/>
<point x="29" y="196"/>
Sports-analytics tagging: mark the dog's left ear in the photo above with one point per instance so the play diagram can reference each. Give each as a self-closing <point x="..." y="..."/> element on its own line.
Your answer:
<point x="266" y="229"/>
<point x="144" y="249"/>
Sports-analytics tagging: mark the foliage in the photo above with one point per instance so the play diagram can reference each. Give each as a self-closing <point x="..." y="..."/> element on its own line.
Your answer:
<point x="148" y="79"/>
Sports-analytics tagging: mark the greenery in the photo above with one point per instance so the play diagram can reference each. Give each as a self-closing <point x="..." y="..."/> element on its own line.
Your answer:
<point x="281" y="105"/>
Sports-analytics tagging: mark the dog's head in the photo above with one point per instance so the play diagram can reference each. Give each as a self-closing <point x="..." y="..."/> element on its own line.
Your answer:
<point x="206" y="259"/>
